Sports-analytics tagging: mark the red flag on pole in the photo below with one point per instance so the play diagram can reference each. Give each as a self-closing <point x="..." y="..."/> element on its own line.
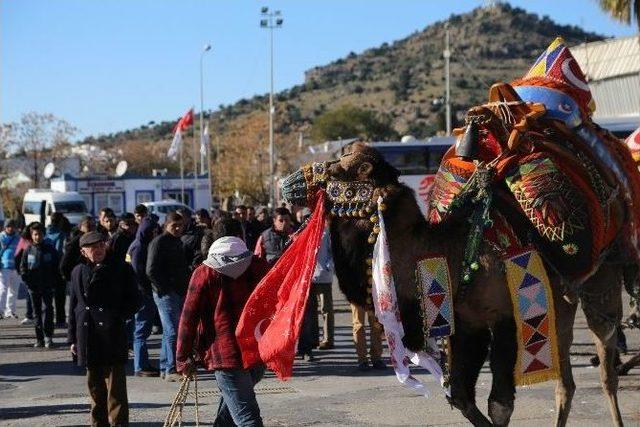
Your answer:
<point x="185" y="121"/>
<point x="270" y="323"/>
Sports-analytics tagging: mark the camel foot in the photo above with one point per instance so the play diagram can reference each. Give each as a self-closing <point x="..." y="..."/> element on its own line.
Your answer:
<point x="500" y="413"/>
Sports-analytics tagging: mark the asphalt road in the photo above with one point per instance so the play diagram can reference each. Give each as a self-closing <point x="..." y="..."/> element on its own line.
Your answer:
<point x="42" y="387"/>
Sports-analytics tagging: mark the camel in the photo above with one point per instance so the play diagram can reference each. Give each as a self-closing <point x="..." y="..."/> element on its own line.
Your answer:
<point x="484" y="318"/>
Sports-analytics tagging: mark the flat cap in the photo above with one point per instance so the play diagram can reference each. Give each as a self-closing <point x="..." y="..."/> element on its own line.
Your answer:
<point x="91" y="237"/>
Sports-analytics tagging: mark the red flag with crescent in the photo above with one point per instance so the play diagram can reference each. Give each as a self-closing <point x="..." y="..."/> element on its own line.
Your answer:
<point x="270" y="323"/>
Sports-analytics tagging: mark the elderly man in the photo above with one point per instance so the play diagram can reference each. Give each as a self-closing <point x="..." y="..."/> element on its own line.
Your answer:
<point x="103" y="296"/>
<point x="218" y="291"/>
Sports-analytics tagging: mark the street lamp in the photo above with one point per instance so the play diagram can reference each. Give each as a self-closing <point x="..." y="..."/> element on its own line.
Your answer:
<point x="205" y="49"/>
<point x="271" y="21"/>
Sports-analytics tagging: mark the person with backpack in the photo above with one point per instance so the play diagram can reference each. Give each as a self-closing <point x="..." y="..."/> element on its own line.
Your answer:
<point x="9" y="279"/>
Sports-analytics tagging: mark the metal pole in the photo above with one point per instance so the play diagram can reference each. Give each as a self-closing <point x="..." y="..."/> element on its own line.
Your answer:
<point x="209" y="170"/>
<point x="447" y="55"/>
<point x="181" y="172"/>
<point x="202" y="108"/>
<point x="195" y="163"/>
<point x="271" y="142"/>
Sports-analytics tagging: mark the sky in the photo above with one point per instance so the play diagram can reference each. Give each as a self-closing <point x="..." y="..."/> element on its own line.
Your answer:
<point x="112" y="65"/>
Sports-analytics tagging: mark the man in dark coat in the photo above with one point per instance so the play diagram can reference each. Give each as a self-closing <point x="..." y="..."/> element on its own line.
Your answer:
<point x="71" y="256"/>
<point x="272" y="242"/>
<point x="168" y="271"/>
<point x="137" y="256"/>
<point x="123" y="237"/>
<point x="103" y="296"/>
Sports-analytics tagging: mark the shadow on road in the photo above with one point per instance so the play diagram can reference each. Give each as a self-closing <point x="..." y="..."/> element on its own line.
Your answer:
<point x="75" y="408"/>
<point x="35" y="369"/>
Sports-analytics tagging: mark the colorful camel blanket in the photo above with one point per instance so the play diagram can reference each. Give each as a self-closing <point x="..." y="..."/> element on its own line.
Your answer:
<point x="385" y="303"/>
<point x="532" y="299"/>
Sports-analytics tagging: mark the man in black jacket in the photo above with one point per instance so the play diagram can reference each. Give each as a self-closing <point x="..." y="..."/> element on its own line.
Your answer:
<point x="191" y="240"/>
<point x="168" y="271"/>
<point x="39" y="271"/>
<point x="71" y="255"/>
<point x="103" y="296"/>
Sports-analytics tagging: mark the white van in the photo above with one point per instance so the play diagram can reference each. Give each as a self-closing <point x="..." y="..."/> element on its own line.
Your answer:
<point x="40" y="202"/>
<point x="162" y="207"/>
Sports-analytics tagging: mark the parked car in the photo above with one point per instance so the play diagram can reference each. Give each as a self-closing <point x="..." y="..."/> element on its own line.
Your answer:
<point x="163" y="207"/>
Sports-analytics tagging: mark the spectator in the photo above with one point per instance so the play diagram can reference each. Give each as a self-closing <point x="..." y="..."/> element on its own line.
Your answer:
<point x="218" y="291"/>
<point x="139" y="212"/>
<point x="191" y="240"/>
<point x="57" y="235"/>
<point x="23" y="244"/>
<point x="360" y="340"/>
<point x="264" y="219"/>
<point x="102" y="214"/>
<point x="203" y="219"/>
<point x="320" y="287"/>
<point x="253" y="229"/>
<point x="103" y="295"/>
<point x="108" y="223"/>
<point x="9" y="280"/>
<point x="168" y="272"/>
<point x="72" y="255"/>
<point x="123" y="237"/>
<point x="222" y="227"/>
<point x="137" y="256"/>
<point x="39" y="270"/>
<point x="272" y="242"/>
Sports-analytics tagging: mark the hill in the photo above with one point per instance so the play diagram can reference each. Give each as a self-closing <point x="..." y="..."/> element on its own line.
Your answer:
<point x="402" y="80"/>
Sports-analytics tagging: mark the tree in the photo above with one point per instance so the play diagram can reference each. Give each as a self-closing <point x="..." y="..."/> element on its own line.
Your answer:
<point x="352" y="122"/>
<point x="622" y="10"/>
<point x="36" y="133"/>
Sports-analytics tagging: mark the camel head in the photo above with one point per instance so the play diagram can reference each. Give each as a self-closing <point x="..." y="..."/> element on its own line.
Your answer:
<point x="352" y="182"/>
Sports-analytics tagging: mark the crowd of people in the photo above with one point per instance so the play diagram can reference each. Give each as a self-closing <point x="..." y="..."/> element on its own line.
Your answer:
<point x="189" y="278"/>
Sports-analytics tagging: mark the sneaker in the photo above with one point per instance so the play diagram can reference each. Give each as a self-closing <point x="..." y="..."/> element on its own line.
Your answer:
<point x="38" y="344"/>
<point x="173" y="377"/>
<point x="325" y="345"/>
<point x="162" y="375"/>
<point x="26" y="321"/>
<point x="48" y="343"/>
<point x="308" y="357"/>
<point x="149" y="372"/>
<point x="363" y="366"/>
<point x="379" y="364"/>
<point x="11" y="316"/>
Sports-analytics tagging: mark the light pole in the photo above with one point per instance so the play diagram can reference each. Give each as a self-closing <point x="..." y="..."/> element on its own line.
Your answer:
<point x="271" y="20"/>
<point x="447" y="55"/>
<point x="204" y="158"/>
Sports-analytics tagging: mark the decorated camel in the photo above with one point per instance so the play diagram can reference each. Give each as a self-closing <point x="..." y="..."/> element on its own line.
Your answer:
<point x="531" y="211"/>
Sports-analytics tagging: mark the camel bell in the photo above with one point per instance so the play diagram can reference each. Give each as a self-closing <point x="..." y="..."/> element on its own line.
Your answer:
<point x="467" y="146"/>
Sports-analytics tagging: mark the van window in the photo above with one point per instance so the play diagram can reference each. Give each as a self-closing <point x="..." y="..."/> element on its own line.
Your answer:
<point x="74" y="206"/>
<point x="31" y="208"/>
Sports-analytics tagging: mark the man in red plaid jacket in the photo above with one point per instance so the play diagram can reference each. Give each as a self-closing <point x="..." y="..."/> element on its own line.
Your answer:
<point x="218" y="291"/>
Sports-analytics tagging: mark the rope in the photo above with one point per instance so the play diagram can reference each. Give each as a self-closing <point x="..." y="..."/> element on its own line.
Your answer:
<point x="174" y="417"/>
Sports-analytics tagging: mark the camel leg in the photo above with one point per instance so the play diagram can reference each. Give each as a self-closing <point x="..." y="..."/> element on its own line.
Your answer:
<point x="603" y="314"/>
<point x="469" y="350"/>
<point x="503" y="356"/>
<point x="565" y="386"/>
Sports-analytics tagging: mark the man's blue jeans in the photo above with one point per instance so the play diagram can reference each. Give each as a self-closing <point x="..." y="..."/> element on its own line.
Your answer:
<point x="169" y="307"/>
<point x="238" y="404"/>
<point x="143" y="323"/>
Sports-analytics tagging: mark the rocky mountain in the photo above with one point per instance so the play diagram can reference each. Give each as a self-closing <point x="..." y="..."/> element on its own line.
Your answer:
<point x="403" y="80"/>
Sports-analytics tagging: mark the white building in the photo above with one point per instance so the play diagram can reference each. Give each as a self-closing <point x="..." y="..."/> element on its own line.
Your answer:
<point x="612" y="68"/>
<point x="123" y="193"/>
